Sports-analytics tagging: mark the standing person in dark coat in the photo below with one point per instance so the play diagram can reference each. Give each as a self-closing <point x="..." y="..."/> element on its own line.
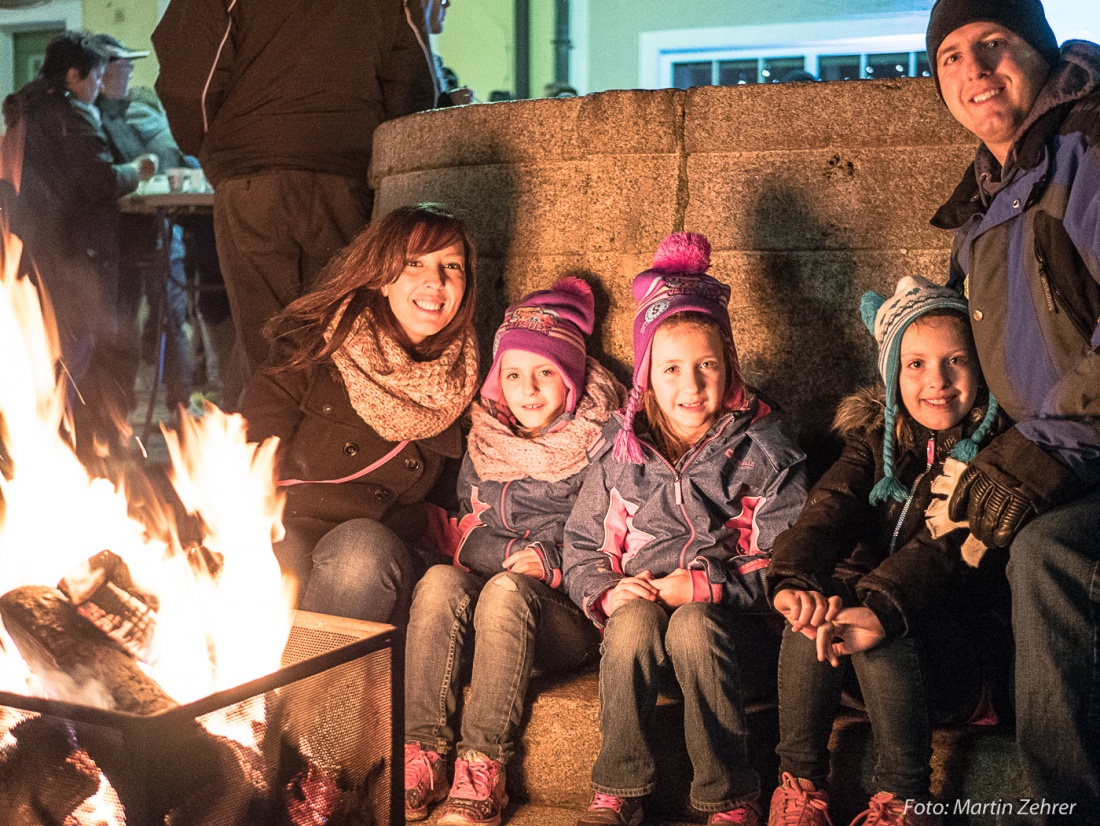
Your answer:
<point x="1026" y="218"/>
<point x="280" y="99"/>
<point x="67" y="213"/>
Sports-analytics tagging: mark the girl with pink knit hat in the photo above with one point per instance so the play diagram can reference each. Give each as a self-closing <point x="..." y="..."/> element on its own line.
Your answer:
<point x="668" y="543"/>
<point x="543" y="403"/>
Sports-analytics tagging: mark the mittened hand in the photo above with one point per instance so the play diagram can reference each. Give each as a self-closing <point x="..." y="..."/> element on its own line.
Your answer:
<point x="995" y="511"/>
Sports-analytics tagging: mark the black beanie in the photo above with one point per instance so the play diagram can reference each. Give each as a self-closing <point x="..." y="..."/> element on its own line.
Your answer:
<point x="1024" y="18"/>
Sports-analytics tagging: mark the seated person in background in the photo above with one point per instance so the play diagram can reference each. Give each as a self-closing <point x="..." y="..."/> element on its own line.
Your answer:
<point x="67" y="215"/>
<point x="135" y="124"/>
<point x="860" y="574"/>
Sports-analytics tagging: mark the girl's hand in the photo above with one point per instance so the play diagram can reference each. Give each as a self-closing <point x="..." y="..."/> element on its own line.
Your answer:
<point x="806" y="611"/>
<point x="631" y="587"/>
<point x="852" y="630"/>
<point x="674" y="589"/>
<point x="526" y="562"/>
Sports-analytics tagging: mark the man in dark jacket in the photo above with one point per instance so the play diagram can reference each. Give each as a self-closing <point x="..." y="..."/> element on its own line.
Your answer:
<point x="280" y="100"/>
<point x="1026" y="219"/>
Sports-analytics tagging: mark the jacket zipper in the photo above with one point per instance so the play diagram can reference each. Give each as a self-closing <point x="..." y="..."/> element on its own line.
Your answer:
<point x="1044" y="279"/>
<point x="503" y="518"/>
<point x="930" y="458"/>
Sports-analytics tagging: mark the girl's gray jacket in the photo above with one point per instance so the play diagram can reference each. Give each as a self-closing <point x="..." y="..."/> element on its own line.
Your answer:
<point x="497" y="519"/>
<point x="716" y="512"/>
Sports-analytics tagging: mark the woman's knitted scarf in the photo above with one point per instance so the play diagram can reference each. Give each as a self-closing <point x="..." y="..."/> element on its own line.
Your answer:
<point x="399" y="397"/>
<point x="501" y="455"/>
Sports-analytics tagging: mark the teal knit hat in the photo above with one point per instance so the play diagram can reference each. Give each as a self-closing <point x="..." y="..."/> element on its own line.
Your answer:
<point x="888" y="319"/>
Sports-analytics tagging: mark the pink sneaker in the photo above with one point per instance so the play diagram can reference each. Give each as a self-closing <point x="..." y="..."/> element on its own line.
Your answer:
<point x="477" y="796"/>
<point x="609" y="810"/>
<point x="884" y="809"/>
<point x="425" y="781"/>
<point x="748" y="815"/>
<point x="797" y="802"/>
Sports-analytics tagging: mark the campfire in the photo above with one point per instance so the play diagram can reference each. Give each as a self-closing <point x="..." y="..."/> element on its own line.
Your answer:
<point x="152" y="668"/>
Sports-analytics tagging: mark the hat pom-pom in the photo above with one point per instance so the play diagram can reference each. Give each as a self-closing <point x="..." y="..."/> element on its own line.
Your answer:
<point x="627" y="448"/>
<point x="869" y="305"/>
<point x="573" y="285"/>
<point x="683" y="252"/>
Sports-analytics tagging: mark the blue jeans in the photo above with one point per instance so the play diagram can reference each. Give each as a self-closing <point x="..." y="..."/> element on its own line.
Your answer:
<point x="358" y="569"/>
<point x="517" y="622"/>
<point x="695" y="643"/>
<point x="1054" y="571"/>
<point x="908" y="685"/>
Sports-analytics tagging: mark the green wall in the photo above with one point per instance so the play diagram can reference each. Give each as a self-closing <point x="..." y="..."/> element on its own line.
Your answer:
<point x="132" y="22"/>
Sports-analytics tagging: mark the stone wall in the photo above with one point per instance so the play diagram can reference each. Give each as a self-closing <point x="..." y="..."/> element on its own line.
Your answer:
<point x="809" y="194"/>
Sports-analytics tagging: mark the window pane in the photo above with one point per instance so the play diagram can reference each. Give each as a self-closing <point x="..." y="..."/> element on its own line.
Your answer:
<point x="923" y="69"/>
<point x="838" y="67"/>
<point x="888" y="65"/>
<point x="686" y="75"/>
<point x="737" y="72"/>
<point x="776" y="68"/>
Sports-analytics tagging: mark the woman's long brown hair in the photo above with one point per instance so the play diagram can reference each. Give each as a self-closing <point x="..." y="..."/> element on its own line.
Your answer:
<point x="357" y="274"/>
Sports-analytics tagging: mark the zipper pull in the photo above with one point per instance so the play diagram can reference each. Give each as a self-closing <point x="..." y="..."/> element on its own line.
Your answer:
<point x="1044" y="279"/>
<point x="679" y="491"/>
<point x="930" y="453"/>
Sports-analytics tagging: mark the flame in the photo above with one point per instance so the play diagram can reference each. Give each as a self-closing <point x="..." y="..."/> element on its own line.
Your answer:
<point x="224" y="610"/>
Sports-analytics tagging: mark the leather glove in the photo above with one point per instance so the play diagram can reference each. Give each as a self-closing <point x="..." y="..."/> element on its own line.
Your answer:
<point x="1008" y="483"/>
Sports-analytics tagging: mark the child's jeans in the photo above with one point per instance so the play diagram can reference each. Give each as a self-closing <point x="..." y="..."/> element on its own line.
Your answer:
<point x="642" y="640"/>
<point x="908" y="684"/>
<point x="518" y="621"/>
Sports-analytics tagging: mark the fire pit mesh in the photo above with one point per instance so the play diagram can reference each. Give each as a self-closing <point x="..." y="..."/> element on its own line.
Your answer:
<point x="321" y="752"/>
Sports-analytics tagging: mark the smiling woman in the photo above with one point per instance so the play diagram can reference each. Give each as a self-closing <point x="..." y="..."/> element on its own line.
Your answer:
<point x="369" y="375"/>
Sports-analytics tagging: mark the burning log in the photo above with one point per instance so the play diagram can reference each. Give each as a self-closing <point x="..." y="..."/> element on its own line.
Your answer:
<point x="104" y="593"/>
<point x="42" y="778"/>
<point x="74" y="657"/>
<point x="195" y="776"/>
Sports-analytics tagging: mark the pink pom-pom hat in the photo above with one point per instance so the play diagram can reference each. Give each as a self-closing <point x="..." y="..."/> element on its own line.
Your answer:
<point x="676" y="283"/>
<point x="552" y="323"/>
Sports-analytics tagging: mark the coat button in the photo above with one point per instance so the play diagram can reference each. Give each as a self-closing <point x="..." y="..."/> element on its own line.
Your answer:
<point x="1016" y="204"/>
<point x="381" y="493"/>
<point x="326" y="408"/>
<point x="350" y="449"/>
<point x="978" y="315"/>
<point x="412" y="464"/>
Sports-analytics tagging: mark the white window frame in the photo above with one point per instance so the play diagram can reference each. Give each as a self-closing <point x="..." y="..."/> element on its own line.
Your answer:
<point x="657" y="51"/>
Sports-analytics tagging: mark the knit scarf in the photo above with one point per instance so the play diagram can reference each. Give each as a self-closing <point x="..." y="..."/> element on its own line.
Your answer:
<point x="500" y="455"/>
<point x="399" y="397"/>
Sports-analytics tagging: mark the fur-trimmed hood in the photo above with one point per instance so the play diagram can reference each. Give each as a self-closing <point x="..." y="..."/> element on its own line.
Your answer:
<point x="864" y="412"/>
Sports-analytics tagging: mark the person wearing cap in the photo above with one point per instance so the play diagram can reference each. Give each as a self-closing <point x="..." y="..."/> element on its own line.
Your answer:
<point x="921" y="630"/>
<point x="135" y="125"/>
<point x="67" y="215"/>
<point x="542" y="404"/>
<point x="280" y="101"/>
<point x="1026" y="218"/>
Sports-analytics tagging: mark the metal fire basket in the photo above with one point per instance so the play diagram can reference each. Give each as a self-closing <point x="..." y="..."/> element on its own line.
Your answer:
<point x="325" y="748"/>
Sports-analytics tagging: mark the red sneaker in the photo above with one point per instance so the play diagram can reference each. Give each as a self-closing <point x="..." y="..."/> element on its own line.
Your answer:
<point x="797" y="802"/>
<point x="425" y="781"/>
<point x="609" y="810"/>
<point x="477" y="796"/>
<point x="884" y="809"/>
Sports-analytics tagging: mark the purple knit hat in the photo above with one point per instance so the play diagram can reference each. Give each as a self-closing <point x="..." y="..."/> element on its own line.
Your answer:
<point x="676" y="283"/>
<point x="552" y="323"/>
